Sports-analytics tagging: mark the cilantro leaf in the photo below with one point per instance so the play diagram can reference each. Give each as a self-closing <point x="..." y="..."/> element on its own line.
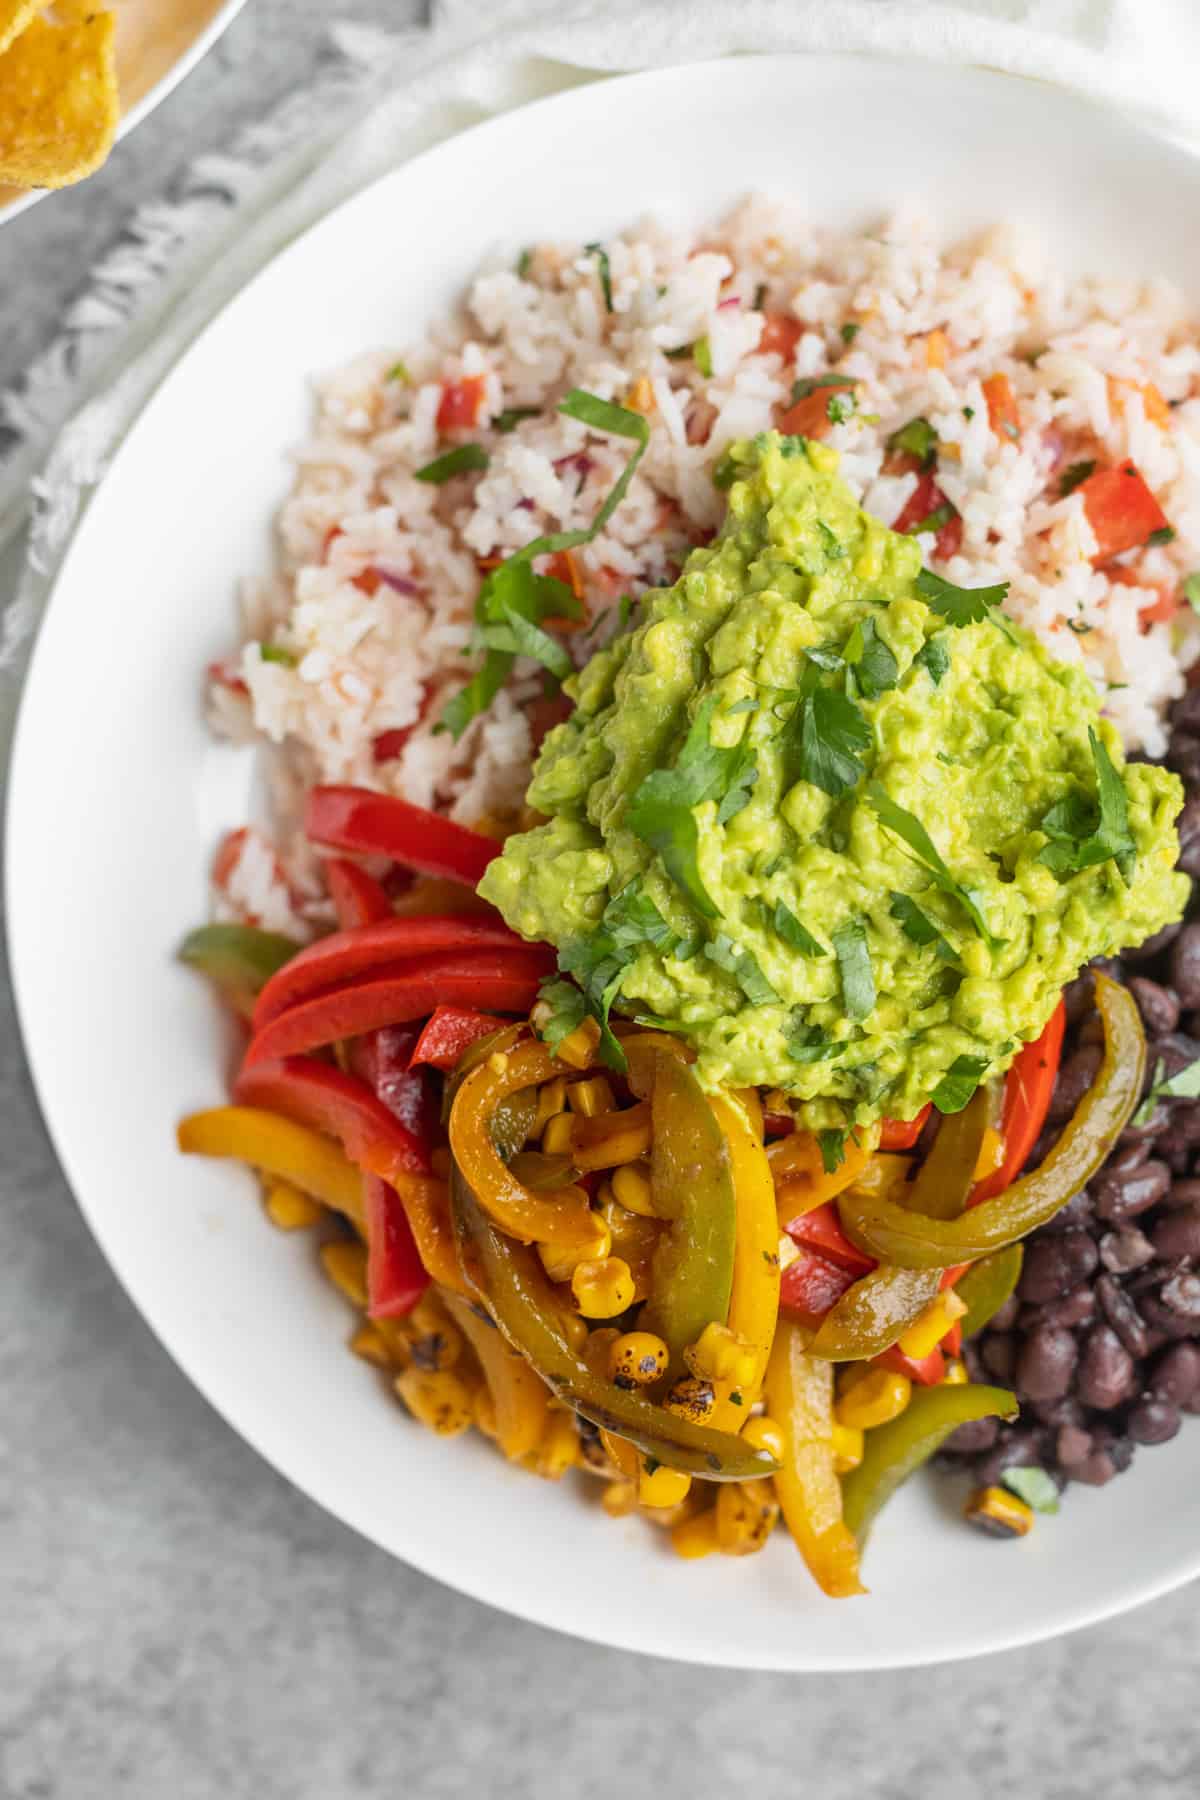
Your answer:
<point x="833" y="1149"/>
<point x="917" y="438"/>
<point x="854" y="964"/>
<point x="824" y="740"/>
<point x="1082" y="835"/>
<point x="875" y="668"/>
<point x="959" y="1082"/>
<point x="277" y="653"/>
<point x="811" y="384"/>
<point x="599" y="958"/>
<point x="602" y="264"/>
<point x="660" y="811"/>
<point x="934" y="659"/>
<point x="913" y="834"/>
<point x="741" y="963"/>
<point x="568" y="1009"/>
<point x="794" y="934"/>
<point x="464" y="460"/>
<point x="811" y="1043"/>
<point x="850" y="331"/>
<point x="511" y="417"/>
<point x="840" y="407"/>
<point x="1074" y="476"/>
<point x="958" y="605"/>
<point x="825" y="658"/>
<point x="941" y="515"/>
<point x="1034" y="1486"/>
<point x="918" y="927"/>
<point x="631" y="919"/>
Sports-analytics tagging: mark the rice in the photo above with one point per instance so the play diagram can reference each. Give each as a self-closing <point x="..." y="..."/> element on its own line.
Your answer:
<point x="369" y="611"/>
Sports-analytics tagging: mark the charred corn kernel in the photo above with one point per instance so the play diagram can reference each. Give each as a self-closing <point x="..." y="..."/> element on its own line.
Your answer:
<point x="999" y="1513"/>
<point x="346" y="1266"/>
<point x="660" y="1486"/>
<point x="876" y="1397"/>
<point x="631" y="1189"/>
<point x="433" y="1350"/>
<point x="991" y="1153"/>
<point x="956" y="1373"/>
<point x="602" y="1286"/>
<point x="747" y="1513"/>
<point x="394" y="1333"/>
<point x="590" y="1098"/>
<point x="442" y="1163"/>
<point x="623" y="1455"/>
<point x="579" y="1046"/>
<point x="764" y="1434"/>
<point x="637" y="1358"/>
<point x="847" y="1447"/>
<point x="552" y="1098"/>
<point x="559" y="1448"/>
<point x="368" y="1344"/>
<point x="721" y="1355"/>
<point x="438" y="1398"/>
<point x="927" y="1332"/>
<point x="560" y="1262"/>
<point x="556" y="1138"/>
<point x="619" y="1499"/>
<point x="692" y="1398"/>
<point x="428" y="1314"/>
<point x="485" y="1410"/>
<point x="289" y="1209"/>
<point x="697" y="1536"/>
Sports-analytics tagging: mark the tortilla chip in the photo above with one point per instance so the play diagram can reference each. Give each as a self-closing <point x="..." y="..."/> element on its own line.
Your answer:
<point x="15" y="16"/>
<point x="58" y="101"/>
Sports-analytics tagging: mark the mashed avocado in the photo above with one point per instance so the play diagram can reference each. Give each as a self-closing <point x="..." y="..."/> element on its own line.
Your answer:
<point x="841" y="824"/>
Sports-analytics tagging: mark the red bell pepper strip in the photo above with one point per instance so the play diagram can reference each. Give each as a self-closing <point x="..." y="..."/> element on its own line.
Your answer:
<point x="902" y="1134"/>
<point x="315" y="1093"/>
<point x="450" y="1031"/>
<point x="811" y="1285"/>
<point x="506" y="980"/>
<point x="926" y="499"/>
<point x="357" y="896"/>
<point x="821" y="1230"/>
<point x="396" y="1276"/>
<point x="1027" y="1094"/>
<point x="1121" y="510"/>
<point x="346" y="956"/>
<point x="351" y="818"/>
<point x="951" y="1344"/>
<point x="384" y="1060"/>
<point x="926" y="1373"/>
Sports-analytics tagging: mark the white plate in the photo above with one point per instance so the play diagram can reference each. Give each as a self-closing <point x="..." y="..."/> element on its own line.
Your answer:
<point x="117" y="795"/>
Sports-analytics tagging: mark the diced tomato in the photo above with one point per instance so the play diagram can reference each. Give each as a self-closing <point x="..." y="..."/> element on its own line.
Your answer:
<point x="367" y="581"/>
<point x="811" y="1285"/>
<point x="1003" y="416"/>
<point x="335" y="531"/>
<point x="1160" y="611"/>
<point x="809" y="416"/>
<point x="821" y="1230"/>
<point x="926" y="499"/>
<point x="461" y="403"/>
<point x="902" y="1134"/>
<point x="225" y="674"/>
<point x="1121" y="510"/>
<point x="927" y="1373"/>
<point x="450" y="1031"/>
<point x="390" y="744"/>
<point x="780" y="335"/>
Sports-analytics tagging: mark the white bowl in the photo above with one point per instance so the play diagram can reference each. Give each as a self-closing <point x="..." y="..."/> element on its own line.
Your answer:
<point x="118" y="794"/>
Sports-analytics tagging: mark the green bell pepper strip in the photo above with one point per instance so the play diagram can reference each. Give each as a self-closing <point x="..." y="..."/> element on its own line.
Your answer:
<point x="947" y="1175"/>
<point x="512" y="1284"/>
<point x="894" y="1451"/>
<point x="888" y="1231"/>
<point x="872" y="1314"/>
<point x="987" y="1285"/>
<point x="241" y="959"/>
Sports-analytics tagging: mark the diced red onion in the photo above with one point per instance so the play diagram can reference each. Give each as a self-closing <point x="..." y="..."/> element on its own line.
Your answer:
<point x="400" y="584"/>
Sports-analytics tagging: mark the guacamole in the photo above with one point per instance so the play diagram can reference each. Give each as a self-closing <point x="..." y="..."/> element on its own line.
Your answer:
<point x="838" y="822"/>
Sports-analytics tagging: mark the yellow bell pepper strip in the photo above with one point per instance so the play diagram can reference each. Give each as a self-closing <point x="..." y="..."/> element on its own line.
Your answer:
<point x="987" y="1285"/>
<point x="512" y="1284"/>
<point x="692" y="1183"/>
<point x="894" y="1451"/>
<point x="521" y="1400"/>
<point x="240" y="959"/>
<point x="905" y="1238"/>
<point x="946" y="1177"/>
<point x="532" y="1218"/>
<point x="754" y="1295"/>
<point x="426" y="1203"/>
<point x="799" y="1172"/>
<point x="277" y="1146"/>
<point x="877" y="1310"/>
<point x="799" y="1397"/>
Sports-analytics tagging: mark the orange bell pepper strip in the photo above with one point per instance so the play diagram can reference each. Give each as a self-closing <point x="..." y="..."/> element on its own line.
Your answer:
<point x="277" y="1146"/>
<point x="801" y="1182"/>
<point x="520" y="1398"/>
<point x="799" y="1397"/>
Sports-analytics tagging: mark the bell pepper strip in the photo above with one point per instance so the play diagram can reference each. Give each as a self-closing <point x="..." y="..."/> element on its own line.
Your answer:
<point x="947" y="1175"/>
<point x="811" y="1286"/>
<point x="799" y="1397"/>
<point x="821" y="1231"/>
<point x="357" y="897"/>
<point x="426" y="1202"/>
<point x="563" y="1219"/>
<point x="925" y="1372"/>
<point x="370" y="824"/>
<point x="514" y="1287"/>
<point x="902" y="1134"/>
<point x="987" y="1285"/>
<point x="396" y="1276"/>
<point x="872" y="1314"/>
<point x="385" y="1060"/>
<point x="1121" y="510"/>
<point x="277" y="1146"/>
<point x="894" y="1451"/>
<point x="1028" y="1090"/>
<point x="611" y="1138"/>
<point x="347" y="956"/>
<point x="754" y="1293"/>
<point x="449" y="1031"/>
<point x="240" y="959"/>
<point x="316" y="1094"/>
<point x="520" y="1398"/>
<point x="504" y="980"/>
<point x="799" y="1171"/>
<point x="951" y="1344"/>
<point x="692" y="1183"/>
<point x="893" y="1234"/>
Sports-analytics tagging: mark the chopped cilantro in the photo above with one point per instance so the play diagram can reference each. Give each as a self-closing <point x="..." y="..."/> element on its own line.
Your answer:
<point x="811" y="1043"/>
<point x="824" y="740"/>
<point x="702" y="357"/>
<point x="275" y="653"/>
<point x="934" y="521"/>
<point x="1034" y="1486"/>
<point x="917" y="438"/>
<point x="1191" y="590"/>
<point x="602" y="264"/>
<point x="511" y="417"/>
<point x="523" y="262"/>
<point x="741" y="963"/>
<point x="678" y="353"/>
<point x="1080" y="627"/>
<point x="875" y="668"/>
<point x="840" y="407"/>
<point x="833" y="1149"/>
<point x="959" y="1082"/>
<point x="467" y="459"/>
<point x="918" y="927"/>
<point x="568" y="1009"/>
<point x="850" y="331"/>
<point x="725" y="472"/>
<point x="1075" y="475"/>
<point x="1163" y="535"/>
<point x="598" y="958"/>
<point x="959" y="605"/>
<point x="934" y="659"/>
<point x="660" y="811"/>
<point x="794" y="934"/>
<point x="913" y="834"/>
<point x="811" y="384"/>
<point x="1082" y="835"/>
<point x="399" y="372"/>
<point x="831" y="543"/>
<point x="854" y="965"/>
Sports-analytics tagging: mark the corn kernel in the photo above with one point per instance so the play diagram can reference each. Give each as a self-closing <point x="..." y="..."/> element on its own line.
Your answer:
<point x="631" y="1189"/>
<point x="697" y="1536"/>
<point x="428" y="1314"/>
<point x="623" y="1455"/>
<point x="395" y="1335"/>
<point x="692" y="1398"/>
<point x="590" y="1098"/>
<point x="438" y="1398"/>
<point x="999" y="1513"/>
<point x="956" y="1373"/>
<point x="439" y="1349"/>
<point x="876" y="1397"/>
<point x="442" y="1163"/>
<point x="497" y="1062"/>
<point x="926" y="1332"/>
<point x="619" y="1498"/>
<point x="574" y="1329"/>
<point x="764" y="1434"/>
<point x="721" y="1355"/>
<point x="637" y="1358"/>
<point x="346" y="1266"/>
<point x="560" y="1261"/>
<point x="368" y="1344"/>
<point x="552" y="1098"/>
<point x="602" y="1286"/>
<point x="747" y="1513"/>
<point x="559" y="1448"/>
<point x="660" y="1486"/>
<point x="579" y="1046"/>
<point x="641" y="397"/>
<point x="485" y="1410"/>
<point x="290" y="1210"/>
<point x="556" y="1138"/>
<point x="847" y="1447"/>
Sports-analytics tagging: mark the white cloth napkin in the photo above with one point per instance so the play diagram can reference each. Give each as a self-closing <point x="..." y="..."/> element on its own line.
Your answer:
<point x="386" y="97"/>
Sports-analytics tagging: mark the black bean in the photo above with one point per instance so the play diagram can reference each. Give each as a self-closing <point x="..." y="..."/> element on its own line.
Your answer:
<point x="1176" y="1374"/>
<point x="1072" y="1445"/>
<point x="973" y="1358"/>
<point x="1056" y="1264"/>
<point x="1153" y="1420"/>
<point x="1106" y="1370"/>
<point x="1079" y="997"/>
<point x="1160" y="1317"/>
<point x="1125" y="1249"/>
<point x="1095" y="1470"/>
<point x="1114" y="1444"/>
<point x="1122" y="1194"/>
<point x="1152" y="1127"/>
<point x="1123" y="1315"/>
<point x="1188" y="826"/>
<point x="1046" y="1363"/>
<point x="1182" y="1294"/>
<point x="1077" y="1075"/>
<point x="999" y="1353"/>
<point x="1177" y="1233"/>
<point x="1158" y="1005"/>
<point x="1006" y="1316"/>
<point x="1153" y="946"/>
<point x="1183" y="1193"/>
<point x="1185" y="953"/>
<point x="1064" y="1411"/>
<point x="1017" y="1449"/>
<point x="974" y="1436"/>
<point x="1185" y="712"/>
<point x="1076" y="1308"/>
<point x="1184" y="757"/>
<point x="1077" y="1211"/>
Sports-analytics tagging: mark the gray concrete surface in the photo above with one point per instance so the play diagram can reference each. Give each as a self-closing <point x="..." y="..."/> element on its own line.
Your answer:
<point x="176" y="1623"/>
